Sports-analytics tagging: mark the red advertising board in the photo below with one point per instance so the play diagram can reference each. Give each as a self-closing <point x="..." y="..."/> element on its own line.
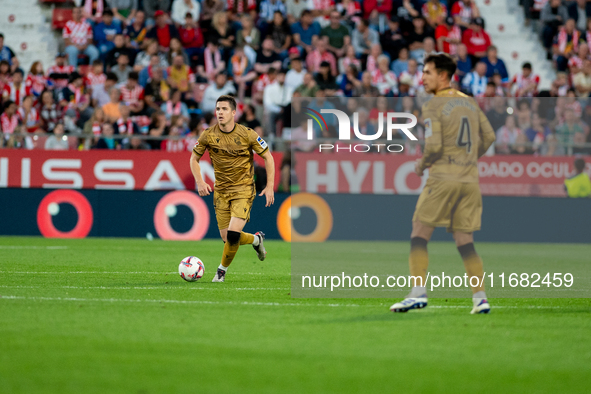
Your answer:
<point x="99" y="169"/>
<point x="394" y="174"/>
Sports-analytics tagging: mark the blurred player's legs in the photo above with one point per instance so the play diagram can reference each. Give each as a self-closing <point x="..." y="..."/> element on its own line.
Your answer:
<point x="474" y="268"/>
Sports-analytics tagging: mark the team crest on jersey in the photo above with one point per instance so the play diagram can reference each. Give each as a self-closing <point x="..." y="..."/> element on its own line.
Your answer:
<point x="196" y="143"/>
<point x="262" y="143"/>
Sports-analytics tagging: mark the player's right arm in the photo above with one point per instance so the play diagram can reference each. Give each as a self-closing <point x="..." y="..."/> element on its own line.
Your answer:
<point x="487" y="135"/>
<point x="433" y="140"/>
<point x="198" y="150"/>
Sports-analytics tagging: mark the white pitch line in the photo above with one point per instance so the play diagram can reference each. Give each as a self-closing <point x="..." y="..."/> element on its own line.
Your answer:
<point x="32" y="247"/>
<point x="114" y="273"/>
<point x="112" y="300"/>
<point x="142" y="288"/>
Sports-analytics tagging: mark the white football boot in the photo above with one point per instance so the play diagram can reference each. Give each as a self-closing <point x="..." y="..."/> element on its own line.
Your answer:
<point x="410" y="303"/>
<point x="260" y="248"/>
<point x="220" y="276"/>
<point x="481" y="305"/>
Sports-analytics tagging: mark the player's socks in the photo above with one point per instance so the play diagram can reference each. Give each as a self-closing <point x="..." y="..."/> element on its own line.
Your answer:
<point x="248" y="239"/>
<point x="473" y="264"/>
<point x="221" y="267"/>
<point x="418" y="291"/>
<point x="419" y="258"/>
<point x="230" y="247"/>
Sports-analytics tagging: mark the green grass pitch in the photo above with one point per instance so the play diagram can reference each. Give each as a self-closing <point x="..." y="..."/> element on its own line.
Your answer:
<point x="113" y="316"/>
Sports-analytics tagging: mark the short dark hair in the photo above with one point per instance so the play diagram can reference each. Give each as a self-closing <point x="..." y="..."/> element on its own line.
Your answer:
<point x="134" y="75"/>
<point x="19" y="71"/>
<point x="443" y="62"/>
<point x="97" y="62"/>
<point x="579" y="165"/>
<point x="111" y="76"/>
<point x="108" y="12"/>
<point x="526" y="65"/>
<point x="491" y="83"/>
<point x="228" y="99"/>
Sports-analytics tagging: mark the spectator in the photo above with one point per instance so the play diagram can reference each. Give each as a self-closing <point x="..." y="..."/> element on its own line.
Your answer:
<point x="553" y="15"/>
<point x="176" y="129"/>
<point x="401" y="64"/>
<point x="57" y="141"/>
<point x="366" y="88"/>
<point x="75" y="100"/>
<point x="476" y="40"/>
<point x="163" y="31"/>
<point x="371" y="64"/>
<point x="222" y="33"/>
<point x="176" y="48"/>
<point x="434" y="12"/>
<point x="112" y="57"/>
<point x="250" y="37"/>
<point x="414" y="76"/>
<point x="211" y="63"/>
<point x="306" y="31"/>
<point x="249" y="119"/>
<point x="156" y="8"/>
<point x="9" y="118"/>
<point x="238" y="8"/>
<point x="560" y="85"/>
<point x="28" y="115"/>
<point x="448" y="35"/>
<point x="325" y="80"/>
<point x="506" y="136"/>
<point x="268" y="9"/>
<point x="95" y="76"/>
<point x="321" y="10"/>
<point x="578" y="185"/>
<point x="582" y="80"/>
<point x="566" y="44"/>
<point x="145" y="58"/>
<point x="122" y="70"/>
<point x="158" y="128"/>
<point x="180" y="76"/>
<point x="276" y="98"/>
<point x="101" y="94"/>
<point x="521" y="146"/>
<point x="135" y="143"/>
<point x="494" y="65"/>
<point x="132" y="94"/>
<point x="384" y="79"/>
<point x="336" y="35"/>
<point x="36" y="81"/>
<point x="280" y="32"/>
<point x="107" y="141"/>
<point x="295" y="76"/>
<point x="221" y="87"/>
<point x="192" y="38"/>
<point x="104" y="33"/>
<point x="208" y="9"/>
<point x="527" y="82"/>
<point x="575" y="63"/>
<point x="136" y="31"/>
<point x="125" y="124"/>
<point x="464" y="62"/>
<point x="416" y="38"/>
<point x="157" y="90"/>
<point x="537" y="133"/>
<point x="180" y="9"/>
<point x="565" y="131"/>
<point x="498" y="114"/>
<point x="51" y="114"/>
<point x="92" y="128"/>
<point x="349" y="80"/>
<point x="6" y="53"/>
<point x="5" y="74"/>
<point x="78" y="38"/>
<point x="175" y="107"/>
<point x="16" y="90"/>
<point x="93" y="10"/>
<point x="579" y="147"/>
<point x="241" y="70"/>
<point x="375" y="12"/>
<point x="349" y="59"/>
<point x="294" y="9"/>
<point x="475" y="82"/>
<point x="267" y="58"/>
<point x="124" y="10"/>
<point x="319" y="56"/>
<point x="463" y="11"/>
<point x="308" y="88"/>
<point x="391" y="39"/>
<point x="111" y="109"/>
<point x="146" y="73"/>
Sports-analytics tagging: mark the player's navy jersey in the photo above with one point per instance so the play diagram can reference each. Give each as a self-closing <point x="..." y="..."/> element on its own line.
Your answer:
<point x="457" y="133"/>
<point x="231" y="155"/>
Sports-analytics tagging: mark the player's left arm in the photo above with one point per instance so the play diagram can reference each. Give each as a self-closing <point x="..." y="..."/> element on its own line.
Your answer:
<point x="433" y="142"/>
<point x="269" y="190"/>
<point x="487" y="135"/>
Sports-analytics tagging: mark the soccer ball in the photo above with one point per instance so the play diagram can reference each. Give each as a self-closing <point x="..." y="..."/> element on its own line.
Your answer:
<point x="191" y="269"/>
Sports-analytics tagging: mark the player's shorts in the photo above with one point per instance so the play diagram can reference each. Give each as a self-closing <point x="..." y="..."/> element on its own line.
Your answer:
<point x="232" y="204"/>
<point x="455" y="205"/>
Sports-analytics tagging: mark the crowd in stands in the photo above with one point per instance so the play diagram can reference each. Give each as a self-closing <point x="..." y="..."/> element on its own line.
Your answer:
<point x="155" y="68"/>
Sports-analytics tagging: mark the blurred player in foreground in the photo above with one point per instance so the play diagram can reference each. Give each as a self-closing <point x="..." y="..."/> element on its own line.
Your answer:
<point x="457" y="133"/>
<point x="231" y="147"/>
